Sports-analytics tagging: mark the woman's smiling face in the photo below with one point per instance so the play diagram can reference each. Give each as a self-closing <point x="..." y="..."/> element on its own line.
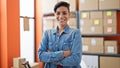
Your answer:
<point x="62" y="15"/>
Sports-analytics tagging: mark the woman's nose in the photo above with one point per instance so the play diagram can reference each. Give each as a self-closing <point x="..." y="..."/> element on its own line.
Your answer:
<point x="61" y="15"/>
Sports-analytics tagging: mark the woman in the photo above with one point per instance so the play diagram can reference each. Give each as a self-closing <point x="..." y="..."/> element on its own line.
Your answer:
<point x="61" y="47"/>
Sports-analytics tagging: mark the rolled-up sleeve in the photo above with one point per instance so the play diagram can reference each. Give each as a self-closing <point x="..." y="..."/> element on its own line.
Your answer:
<point x="76" y="52"/>
<point x="45" y="56"/>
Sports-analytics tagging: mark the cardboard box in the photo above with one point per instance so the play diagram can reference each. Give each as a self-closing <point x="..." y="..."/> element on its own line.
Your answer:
<point x="110" y="22"/>
<point x="35" y="65"/>
<point x="85" y="45"/>
<point x="17" y="62"/>
<point x="96" y="45"/>
<point x="112" y="62"/>
<point x="110" y="14"/>
<point x="92" y="44"/>
<point x="109" y="4"/>
<point x="96" y="15"/>
<point x="91" y="30"/>
<point x="110" y="29"/>
<point x="88" y="5"/>
<point x="111" y="47"/>
<point x="84" y="15"/>
<point x="73" y="5"/>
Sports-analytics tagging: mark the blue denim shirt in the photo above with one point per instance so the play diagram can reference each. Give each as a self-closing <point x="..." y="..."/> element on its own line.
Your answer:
<point x="70" y="39"/>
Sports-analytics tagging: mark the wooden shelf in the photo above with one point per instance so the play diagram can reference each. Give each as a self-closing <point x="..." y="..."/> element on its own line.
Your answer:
<point x="99" y="35"/>
<point x="112" y="55"/>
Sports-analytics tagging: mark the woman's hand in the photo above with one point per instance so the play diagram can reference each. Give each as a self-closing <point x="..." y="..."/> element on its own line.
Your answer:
<point x="66" y="53"/>
<point x="48" y="50"/>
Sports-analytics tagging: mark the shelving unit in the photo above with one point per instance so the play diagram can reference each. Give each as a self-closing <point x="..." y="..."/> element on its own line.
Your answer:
<point x="113" y="59"/>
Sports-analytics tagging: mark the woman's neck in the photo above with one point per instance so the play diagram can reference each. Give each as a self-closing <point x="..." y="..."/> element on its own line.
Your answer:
<point x="60" y="29"/>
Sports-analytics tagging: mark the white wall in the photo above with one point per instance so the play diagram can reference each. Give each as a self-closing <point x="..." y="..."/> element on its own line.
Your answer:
<point x="27" y="38"/>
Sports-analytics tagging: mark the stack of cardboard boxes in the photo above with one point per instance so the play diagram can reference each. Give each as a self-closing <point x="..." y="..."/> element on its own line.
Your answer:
<point x="99" y="46"/>
<point x="91" y="22"/>
<point x="99" y="22"/>
<point x="92" y="45"/>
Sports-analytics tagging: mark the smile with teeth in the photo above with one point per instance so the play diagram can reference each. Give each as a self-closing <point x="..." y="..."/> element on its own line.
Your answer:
<point x="62" y="20"/>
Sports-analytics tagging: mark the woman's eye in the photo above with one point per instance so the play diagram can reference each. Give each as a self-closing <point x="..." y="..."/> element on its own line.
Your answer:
<point x="58" y="13"/>
<point x="64" y="13"/>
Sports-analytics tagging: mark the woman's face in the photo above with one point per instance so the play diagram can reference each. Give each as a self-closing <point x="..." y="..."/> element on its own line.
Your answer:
<point x="62" y="15"/>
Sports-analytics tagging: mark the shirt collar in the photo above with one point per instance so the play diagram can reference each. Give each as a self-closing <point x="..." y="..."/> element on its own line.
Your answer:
<point x="66" y="29"/>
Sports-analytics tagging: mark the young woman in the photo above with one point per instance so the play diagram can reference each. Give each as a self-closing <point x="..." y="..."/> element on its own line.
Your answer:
<point x="61" y="47"/>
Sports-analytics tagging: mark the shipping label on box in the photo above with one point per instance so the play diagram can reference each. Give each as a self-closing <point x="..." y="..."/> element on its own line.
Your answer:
<point x="96" y="22"/>
<point x="110" y="22"/>
<point x="110" y="14"/>
<point x="85" y="48"/>
<point x="110" y="49"/>
<point x="110" y="29"/>
<point x="84" y="15"/>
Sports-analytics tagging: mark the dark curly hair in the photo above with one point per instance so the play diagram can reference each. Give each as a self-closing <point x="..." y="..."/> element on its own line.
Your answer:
<point x="62" y="3"/>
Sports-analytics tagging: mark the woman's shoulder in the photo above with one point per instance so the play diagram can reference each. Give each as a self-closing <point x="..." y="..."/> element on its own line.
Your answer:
<point x="74" y="30"/>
